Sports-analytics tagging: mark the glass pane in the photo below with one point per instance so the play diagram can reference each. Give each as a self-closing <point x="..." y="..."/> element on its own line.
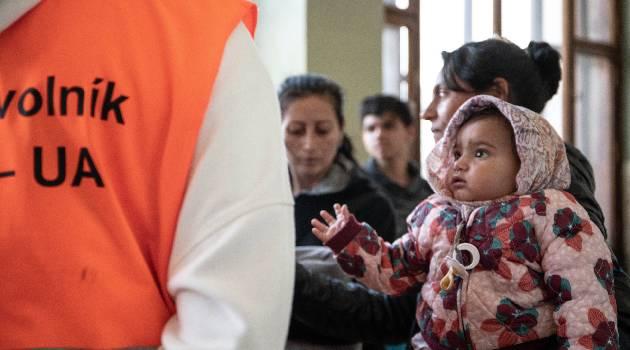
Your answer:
<point x="401" y="4"/>
<point x="551" y="31"/>
<point x="553" y="111"/>
<point x="404" y="90"/>
<point x="593" y="19"/>
<point x="594" y="132"/>
<point x="552" y="22"/>
<point x="441" y="29"/>
<point x="390" y="56"/>
<point x="481" y="20"/>
<point x="404" y="51"/>
<point x="516" y="21"/>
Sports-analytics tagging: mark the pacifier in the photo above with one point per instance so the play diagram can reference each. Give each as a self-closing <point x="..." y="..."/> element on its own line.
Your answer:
<point x="456" y="268"/>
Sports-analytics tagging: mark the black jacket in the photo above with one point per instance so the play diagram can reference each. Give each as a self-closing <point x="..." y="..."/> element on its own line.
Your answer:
<point x="368" y="204"/>
<point x="356" y="313"/>
<point x="364" y="199"/>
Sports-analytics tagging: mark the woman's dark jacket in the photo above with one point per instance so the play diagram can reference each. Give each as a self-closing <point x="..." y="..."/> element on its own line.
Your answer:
<point x="390" y="319"/>
<point x="368" y="204"/>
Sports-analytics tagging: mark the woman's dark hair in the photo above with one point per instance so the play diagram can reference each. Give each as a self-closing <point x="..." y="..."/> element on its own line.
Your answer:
<point x="380" y="104"/>
<point x="304" y="85"/>
<point x="533" y="73"/>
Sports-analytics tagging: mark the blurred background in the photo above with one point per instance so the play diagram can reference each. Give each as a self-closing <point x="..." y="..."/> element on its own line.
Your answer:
<point x="394" y="46"/>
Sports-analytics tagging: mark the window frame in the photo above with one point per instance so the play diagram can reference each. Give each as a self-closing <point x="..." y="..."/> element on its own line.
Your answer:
<point x="410" y="18"/>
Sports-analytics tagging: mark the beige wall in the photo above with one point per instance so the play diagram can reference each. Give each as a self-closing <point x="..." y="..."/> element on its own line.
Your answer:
<point x="344" y="43"/>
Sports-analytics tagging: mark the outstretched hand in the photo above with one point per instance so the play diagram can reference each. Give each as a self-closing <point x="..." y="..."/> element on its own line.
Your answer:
<point x="325" y="231"/>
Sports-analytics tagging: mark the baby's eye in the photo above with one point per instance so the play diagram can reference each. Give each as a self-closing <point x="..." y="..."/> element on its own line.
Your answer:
<point x="456" y="154"/>
<point x="481" y="153"/>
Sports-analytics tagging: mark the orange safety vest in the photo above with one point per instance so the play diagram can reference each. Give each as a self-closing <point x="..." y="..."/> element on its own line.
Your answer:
<point x="100" y="106"/>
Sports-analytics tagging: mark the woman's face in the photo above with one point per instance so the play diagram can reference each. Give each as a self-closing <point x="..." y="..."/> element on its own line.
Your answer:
<point x="312" y="136"/>
<point x="444" y="104"/>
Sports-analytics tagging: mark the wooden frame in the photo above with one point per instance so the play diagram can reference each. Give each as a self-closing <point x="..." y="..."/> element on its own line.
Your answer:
<point x="568" y="70"/>
<point x="496" y="17"/>
<point x="410" y="18"/>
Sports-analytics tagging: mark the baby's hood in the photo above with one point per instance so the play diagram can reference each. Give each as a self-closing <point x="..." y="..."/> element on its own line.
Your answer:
<point x="544" y="163"/>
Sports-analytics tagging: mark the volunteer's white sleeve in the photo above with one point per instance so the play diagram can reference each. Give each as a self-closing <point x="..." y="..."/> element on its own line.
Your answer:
<point x="232" y="266"/>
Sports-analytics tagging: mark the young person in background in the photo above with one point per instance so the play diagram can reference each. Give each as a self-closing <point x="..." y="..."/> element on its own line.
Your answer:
<point x="388" y="136"/>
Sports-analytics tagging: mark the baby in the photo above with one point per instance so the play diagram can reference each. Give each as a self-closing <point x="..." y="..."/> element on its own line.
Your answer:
<point x="502" y="254"/>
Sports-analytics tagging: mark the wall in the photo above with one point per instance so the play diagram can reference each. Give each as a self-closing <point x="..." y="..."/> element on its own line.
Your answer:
<point x="344" y="43"/>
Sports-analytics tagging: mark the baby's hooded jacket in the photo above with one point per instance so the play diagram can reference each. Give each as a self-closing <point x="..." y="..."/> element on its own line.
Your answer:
<point x="543" y="268"/>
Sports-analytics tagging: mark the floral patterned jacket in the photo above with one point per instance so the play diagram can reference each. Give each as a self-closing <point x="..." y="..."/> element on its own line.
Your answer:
<point x="542" y="271"/>
<point x="543" y="268"/>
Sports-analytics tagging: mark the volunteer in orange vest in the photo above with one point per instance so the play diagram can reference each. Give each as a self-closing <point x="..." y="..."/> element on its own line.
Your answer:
<point x="144" y="198"/>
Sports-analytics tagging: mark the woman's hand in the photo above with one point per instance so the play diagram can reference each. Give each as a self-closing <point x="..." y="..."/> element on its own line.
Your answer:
<point x="325" y="231"/>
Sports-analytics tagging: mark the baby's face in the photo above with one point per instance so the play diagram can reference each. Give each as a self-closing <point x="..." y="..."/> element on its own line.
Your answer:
<point x="485" y="162"/>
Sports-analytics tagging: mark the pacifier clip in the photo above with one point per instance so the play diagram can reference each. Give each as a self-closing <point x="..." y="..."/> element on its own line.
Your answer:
<point x="456" y="268"/>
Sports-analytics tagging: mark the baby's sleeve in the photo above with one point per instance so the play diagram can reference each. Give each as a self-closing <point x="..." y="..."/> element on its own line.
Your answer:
<point x="394" y="268"/>
<point x="578" y="275"/>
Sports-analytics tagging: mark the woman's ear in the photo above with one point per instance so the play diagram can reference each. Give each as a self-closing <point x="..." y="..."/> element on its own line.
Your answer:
<point x="500" y="89"/>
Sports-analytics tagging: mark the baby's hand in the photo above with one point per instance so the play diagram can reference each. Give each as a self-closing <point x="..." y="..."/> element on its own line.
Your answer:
<point x="326" y="231"/>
